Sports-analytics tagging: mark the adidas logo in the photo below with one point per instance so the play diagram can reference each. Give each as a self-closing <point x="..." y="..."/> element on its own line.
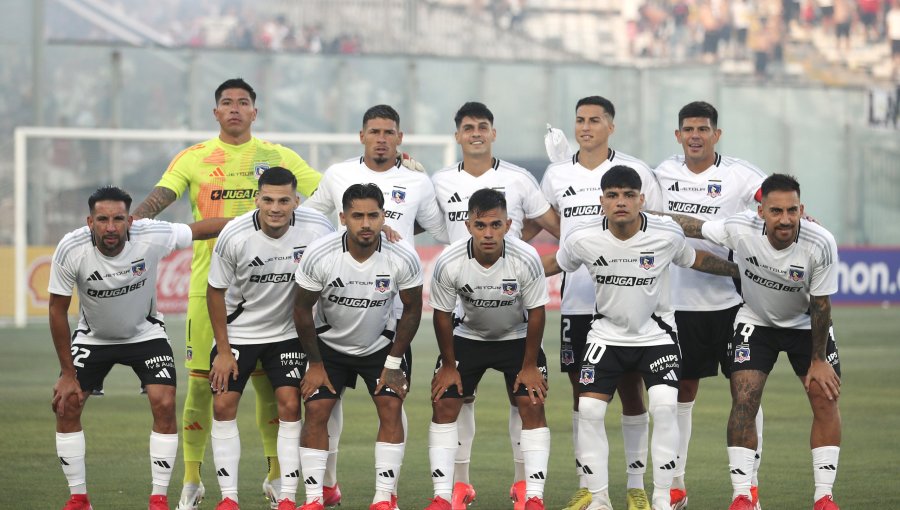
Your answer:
<point x="310" y="481"/>
<point x="194" y="426"/>
<point x="256" y="262"/>
<point x="737" y="472"/>
<point x="163" y="464"/>
<point x="454" y="198"/>
<point x="753" y="261"/>
<point x="636" y="465"/>
<point x="217" y="173"/>
<point x="437" y="473"/>
<point x="62" y="462"/>
<point x="829" y="467"/>
<point x="670" y="376"/>
<point x="294" y="374"/>
<point x="222" y="472"/>
<point x="601" y="262"/>
<point x="387" y="474"/>
<point x="668" y="466"/>
<point x="336" y="283"/>
<point x="294" y="474"/>
<point x="538" y="476"/>
<point x="95" y="277"/>
<point x="570" y="192"/>
<point x="163" y="374"/>
<point x="674" y="187"/>
<point x="586" y="470"/>
<point x="467" y="289"/>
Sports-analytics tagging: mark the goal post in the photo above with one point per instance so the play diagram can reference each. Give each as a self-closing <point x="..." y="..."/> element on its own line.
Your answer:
<point x="445" y="145"/>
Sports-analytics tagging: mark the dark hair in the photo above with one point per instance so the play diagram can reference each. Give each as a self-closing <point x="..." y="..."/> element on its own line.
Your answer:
<point x="700" y="109"/>
<point x="780" y="182"/>
<point x="235" y="83"/>
<point x="110" y="193"/>
<point x="485" y="200"/>
<point x="475" y="110"/>
<point x="602" y="102"/>
<point x="620" y="176"/>
<point x="362" y="191"/>
<point x="277" y="176"/>
<point x="381" y="111"/>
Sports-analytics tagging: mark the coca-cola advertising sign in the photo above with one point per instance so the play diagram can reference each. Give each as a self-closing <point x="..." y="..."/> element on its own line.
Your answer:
<point x="174" y="281"/>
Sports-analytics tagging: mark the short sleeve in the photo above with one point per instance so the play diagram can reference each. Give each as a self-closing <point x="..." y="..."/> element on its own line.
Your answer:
<point x="443" y="291"/>
<point x="222" y="265"/>
<point x="410" y="267"/>
<point x="177" y="176"/>
<point x="309" y="273"/>
<point x="62" y="274"/>
<point x="533" y="202"/>
<point x="824" y="279"/>
<point x="547" y="189"/>
<point x="321" y="200"/>
<point x="429" y="215"/>
<point x="534" y="284"/>
<point x="684" y="254"/>
<point x="717" y="232"/>
<point x="566" y="257"/>
<point x="183" y="236"/>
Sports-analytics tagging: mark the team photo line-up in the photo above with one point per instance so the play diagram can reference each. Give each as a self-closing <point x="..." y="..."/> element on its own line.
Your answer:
<point x="669" y="275"/>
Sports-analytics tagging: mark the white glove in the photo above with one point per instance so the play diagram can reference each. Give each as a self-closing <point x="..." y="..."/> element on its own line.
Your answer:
<point x="407" y="161"/>
<point x="557" y="145"/>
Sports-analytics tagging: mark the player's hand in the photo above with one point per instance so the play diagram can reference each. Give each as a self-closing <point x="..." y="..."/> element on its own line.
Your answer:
<point x="533" y="381"/>
<point x="408" y="161"/>
<point x="315" y="378"/>
<point x="223" y="365"/>
<point x="392" y="235"/>
<point x="824" y="375"/>
<point x="445" y="377"/>
<point x="65" y="387"/>
<point x="394" y="379"/>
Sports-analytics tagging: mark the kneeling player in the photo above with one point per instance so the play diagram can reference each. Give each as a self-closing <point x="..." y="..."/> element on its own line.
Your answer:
<point x="502" y="290"/>
<point x="250" y="295"/>
<point x="114" y="263"/>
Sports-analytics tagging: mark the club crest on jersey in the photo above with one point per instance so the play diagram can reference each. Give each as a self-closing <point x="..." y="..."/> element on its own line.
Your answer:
<point x="382" y="284"/>
<point x="796" y="274"/>
<point x="646" y="261"/>
<point x="509" y="288"/>
<point x="259" y="168"/>
<point x="298" y="253"/>
<point x="742" y="353"/>
<point x="587" y="375"/>
<point x="714" y="189"/>
<point x="138" y="267"/>
<point x="398" y="196"/>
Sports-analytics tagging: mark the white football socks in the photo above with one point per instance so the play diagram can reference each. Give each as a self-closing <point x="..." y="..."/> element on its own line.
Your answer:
<point x="465" y="425"/>
<point x="825" y="464"/>
<point x="163" y="449"/>
<point x="70" y="448"/>
<point x="226" y="445"/>
<point x="289" y="457"/>
<point x="442" y="444"/>
<point x="635" y="431"/>
<point x="593" y="443"/>
<point x="535" y="445"/>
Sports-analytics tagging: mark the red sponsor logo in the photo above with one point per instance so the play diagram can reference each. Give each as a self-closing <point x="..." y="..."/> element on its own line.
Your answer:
<point x="174" y="282"/>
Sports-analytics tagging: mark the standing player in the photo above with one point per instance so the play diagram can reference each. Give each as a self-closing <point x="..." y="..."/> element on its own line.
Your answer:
<point x="453" y="186"/>
<point x="221" y="175"/>
<point x="502" y="293"/>
<point x="250" y="296"/>
<point x="628" y="254"/>
<point x="114" y="263"/>
<point x="353" y="276"/>
<point x="708" y="186"/>
<point x="573" y="189"/>
<point x="410" y="207"/>
<point x="788" y="269"/>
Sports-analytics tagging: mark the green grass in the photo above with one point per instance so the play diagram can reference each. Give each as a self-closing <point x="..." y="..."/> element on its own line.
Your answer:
<point x="117" y="428"/>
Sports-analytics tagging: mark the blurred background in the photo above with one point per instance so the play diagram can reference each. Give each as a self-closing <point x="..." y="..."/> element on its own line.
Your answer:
<point x="808" y="87"/>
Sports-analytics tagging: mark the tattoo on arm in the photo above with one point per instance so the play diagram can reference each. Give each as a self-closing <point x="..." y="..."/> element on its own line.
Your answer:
<point x="692" y="227"/>
<point x="708" y="263"/>
<point x="409" y="321"/>
<point x="820" y="317"/>
<point x="155" y="203"/>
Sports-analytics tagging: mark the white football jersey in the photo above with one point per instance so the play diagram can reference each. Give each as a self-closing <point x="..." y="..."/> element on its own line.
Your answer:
<point x="777" y="284"/>
<point x="453" y="186"/>
<point x="574" y="191"/>
<point x="117" y="295"/>
<point x="631" y="278"/>
<point x="408" y="196"/>
<point x="354" y="314"/>
<point x="494" y="301"/>
<point x="258" y="272"/>
<point x="728" y="187"/>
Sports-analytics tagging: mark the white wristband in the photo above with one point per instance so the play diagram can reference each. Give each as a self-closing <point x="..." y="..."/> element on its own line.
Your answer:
<point x="392" y="362"/>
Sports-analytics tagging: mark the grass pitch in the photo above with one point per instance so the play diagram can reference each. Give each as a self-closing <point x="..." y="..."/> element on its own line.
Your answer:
<point x="117" y="427"/>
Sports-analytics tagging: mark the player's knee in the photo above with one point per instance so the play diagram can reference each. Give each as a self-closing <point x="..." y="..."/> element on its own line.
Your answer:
<point x="289" y="409"/>
<point x="663" y="403"/>
<point x="445" y="410"/>
<point x="591" y="408"/>
<point x="317" y="413"/>
<point x="532" y="416"/>
<point x="821" y="405"/>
